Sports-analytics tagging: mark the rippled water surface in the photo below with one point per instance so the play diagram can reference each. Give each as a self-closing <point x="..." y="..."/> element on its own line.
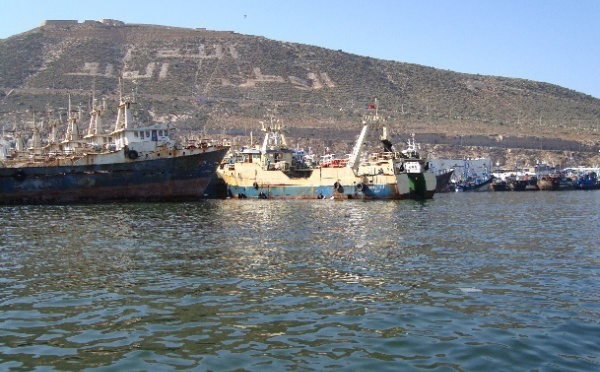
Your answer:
<point x="465" y="282"/>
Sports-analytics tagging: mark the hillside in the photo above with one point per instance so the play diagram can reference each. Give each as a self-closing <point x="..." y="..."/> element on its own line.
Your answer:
<point x="224" y="83"/>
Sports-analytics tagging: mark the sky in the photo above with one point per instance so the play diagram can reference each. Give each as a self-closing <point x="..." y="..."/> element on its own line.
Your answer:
<point x="552" y="41"/>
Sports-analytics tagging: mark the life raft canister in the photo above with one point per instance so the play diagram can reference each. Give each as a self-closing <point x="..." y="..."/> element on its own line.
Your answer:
<point x="132" y="154"/>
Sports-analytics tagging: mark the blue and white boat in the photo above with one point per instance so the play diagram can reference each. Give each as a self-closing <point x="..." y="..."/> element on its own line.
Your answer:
<point x="274" y="170"/>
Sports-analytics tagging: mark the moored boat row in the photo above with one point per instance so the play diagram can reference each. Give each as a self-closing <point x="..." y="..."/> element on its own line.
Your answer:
<point x="136" y="162"/>
<point x="545" y="178"/>
<point x="540" y="177"/>
<point x="131" y="163"/>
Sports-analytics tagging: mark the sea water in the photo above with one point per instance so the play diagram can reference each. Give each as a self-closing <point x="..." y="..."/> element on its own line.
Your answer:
<point x="463" y="282"/>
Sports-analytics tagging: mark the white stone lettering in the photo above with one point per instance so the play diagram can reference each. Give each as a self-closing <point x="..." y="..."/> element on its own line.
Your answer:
<point x="327" y="80"/>
<point x="93" y="69"/>
<point x="163" y="70"/>
<point x="136" y="74"/>
<point x="300" y="83"/>
<point x="216" y="52"/>
<point x="260" y="78"/>
<point x="160" y="69"/>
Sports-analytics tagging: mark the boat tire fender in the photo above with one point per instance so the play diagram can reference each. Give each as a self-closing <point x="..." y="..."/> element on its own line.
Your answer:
<point x="359" y="186"/>
<point x="255" y="185"/>
<point x="132" y="154"/>
<point x="338" y="187"/>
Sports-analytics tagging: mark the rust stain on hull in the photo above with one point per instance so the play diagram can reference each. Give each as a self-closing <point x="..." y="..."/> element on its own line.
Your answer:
<point x="180" y="178"/>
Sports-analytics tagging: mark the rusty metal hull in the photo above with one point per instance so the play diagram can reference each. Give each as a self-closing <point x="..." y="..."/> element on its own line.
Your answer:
<point x="179" y="178"/>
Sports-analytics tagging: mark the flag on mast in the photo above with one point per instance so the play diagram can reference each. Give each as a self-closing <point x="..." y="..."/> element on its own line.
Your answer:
<point x="373" y="106"/>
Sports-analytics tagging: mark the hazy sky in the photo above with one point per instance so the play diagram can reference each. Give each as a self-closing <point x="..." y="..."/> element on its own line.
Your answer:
<point x="553" y="41"/>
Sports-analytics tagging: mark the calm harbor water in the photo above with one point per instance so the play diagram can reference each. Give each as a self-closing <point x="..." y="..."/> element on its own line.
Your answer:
<point x="463" y="282"/>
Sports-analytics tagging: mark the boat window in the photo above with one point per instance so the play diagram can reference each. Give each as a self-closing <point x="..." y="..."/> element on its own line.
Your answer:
<point x="154" y="135"/>
<point x="136" y="134"/>
<point x="142" y="134"/>
<point x="148" y="133"/>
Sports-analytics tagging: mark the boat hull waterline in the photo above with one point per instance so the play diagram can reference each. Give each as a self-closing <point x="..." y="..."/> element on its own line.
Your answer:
<point x="321" y="183"/>
<point x="180" y="178"/>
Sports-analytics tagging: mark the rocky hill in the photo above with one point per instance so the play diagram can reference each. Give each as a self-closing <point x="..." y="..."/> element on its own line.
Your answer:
<point x="223" y="83"/>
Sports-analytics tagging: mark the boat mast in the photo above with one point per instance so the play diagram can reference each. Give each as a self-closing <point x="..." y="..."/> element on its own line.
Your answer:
<point x="124" y="115"/>
<point x="274" y="134"/>
<point x="72" y="127"/>
<point x="356" y="151"/>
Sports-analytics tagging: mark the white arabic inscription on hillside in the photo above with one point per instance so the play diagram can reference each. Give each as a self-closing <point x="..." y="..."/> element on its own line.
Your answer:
<point x="160" y="69"/>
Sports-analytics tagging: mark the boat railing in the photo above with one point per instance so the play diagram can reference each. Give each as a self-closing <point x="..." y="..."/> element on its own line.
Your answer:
<point x="335" y="163"/>
<point x="376" y="156"/>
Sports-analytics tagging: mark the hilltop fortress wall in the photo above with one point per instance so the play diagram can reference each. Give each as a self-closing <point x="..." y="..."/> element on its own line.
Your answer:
<point x="62" y="23"/>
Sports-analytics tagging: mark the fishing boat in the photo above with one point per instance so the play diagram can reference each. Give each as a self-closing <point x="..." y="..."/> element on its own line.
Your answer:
<point x="548" y="178"/>
<point x="472" y="180"/>
<point x="273" y="170"/>
<point x="499" y="184"/>
<point x="549" y="182"/>
<point x="588" y="180"/>
<point x="584" y="178"/>
<point x="522" y="179"/>
<point x="410" y="164"/>
<point x="523" y="183"/>
<point x="140" y="163"/>
<point x="443" y="178"/>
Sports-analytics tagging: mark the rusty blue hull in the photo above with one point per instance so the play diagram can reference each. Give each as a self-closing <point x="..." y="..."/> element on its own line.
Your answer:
<point x="181" y="178"/>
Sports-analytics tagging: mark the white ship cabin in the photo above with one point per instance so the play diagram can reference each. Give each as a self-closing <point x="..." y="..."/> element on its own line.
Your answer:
<point x="247" y="155"/>
<point x="142" y="138"/>
<point x="541" y="169"/>
<point x="146" y="138"/>
<point x="280" y="159"/>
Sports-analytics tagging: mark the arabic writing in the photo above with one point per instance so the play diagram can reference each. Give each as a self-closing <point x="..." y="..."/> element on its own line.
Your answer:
<point x="159" y="69"/>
